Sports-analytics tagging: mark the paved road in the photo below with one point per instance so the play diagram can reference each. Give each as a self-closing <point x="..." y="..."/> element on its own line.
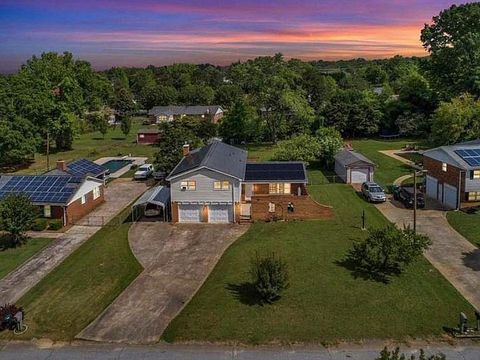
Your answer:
<point x="453" y="255"/>
<point x="176" y="352"/>
<point x="118" y="195"/>
<point x="176" y="259"/>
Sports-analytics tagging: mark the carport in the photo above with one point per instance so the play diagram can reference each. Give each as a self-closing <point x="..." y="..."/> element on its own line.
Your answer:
<point x="153" y="202"/>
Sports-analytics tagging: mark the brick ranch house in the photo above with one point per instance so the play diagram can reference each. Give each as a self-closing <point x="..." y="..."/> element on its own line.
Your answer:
<point x="216" y="184"/>
<point x="160" y="114"/>
<point x="59" y="194"/>
<point x="453" y="174"/>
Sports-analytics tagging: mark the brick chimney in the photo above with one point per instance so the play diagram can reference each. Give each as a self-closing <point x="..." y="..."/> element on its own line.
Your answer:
<point x="186" y="149"/>
<point x="61" y="165"/>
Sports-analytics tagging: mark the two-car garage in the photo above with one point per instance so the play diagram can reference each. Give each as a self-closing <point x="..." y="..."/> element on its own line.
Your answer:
<point x="444" y="193"/>
<point x="211" y="213"/>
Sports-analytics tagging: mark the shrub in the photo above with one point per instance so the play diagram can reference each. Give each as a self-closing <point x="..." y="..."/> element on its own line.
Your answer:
<point x="39" y="224"/>
<point x="17" y="215"/>
<point x="395" y="355"/>
<point x="55" y="224"/>
<point x="269" y="276"/>
<point x="387" y="251"/>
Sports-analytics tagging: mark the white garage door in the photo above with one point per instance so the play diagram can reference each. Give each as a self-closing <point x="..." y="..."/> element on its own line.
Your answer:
<point x="358" y="176"/>
<point x="219" y="214"/>
<point x="450" y="196"/>
<point x="432" y="185"/>
<point x="189" y="213"/>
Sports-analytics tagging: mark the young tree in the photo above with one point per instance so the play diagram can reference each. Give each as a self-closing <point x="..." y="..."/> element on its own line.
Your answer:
<point x="126" y="125"/>
<point x="330" y="143"/>
<point x="304" y="148"/>
<point x="387" y="251"/>
<point x="269" y="276"/>
<point x="17" y="215"/>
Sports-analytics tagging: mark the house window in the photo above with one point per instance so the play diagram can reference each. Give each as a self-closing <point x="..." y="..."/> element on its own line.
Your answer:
<point x="221" y="185"/>
<point x="83" y="200"/>
<point x="444" y="167"/>
<point x="47" y="211"/>
<point x="279" y="188"/>
<point x="474" y="196"/>
<point x="162" y="118"/>
<point x="475" y="174"/>
<point x="96" y="193"/>
<point x="188" y="185"/>
<point x="141" y="136"/>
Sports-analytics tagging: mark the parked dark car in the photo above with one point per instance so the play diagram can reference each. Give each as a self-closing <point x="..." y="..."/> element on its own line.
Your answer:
<point x="405" y="196"/>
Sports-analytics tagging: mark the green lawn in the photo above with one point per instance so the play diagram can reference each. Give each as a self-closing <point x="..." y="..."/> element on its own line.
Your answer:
<point x="93" y="146"/>
<point x="260" y="152"/>
<point x="466" y="224"/>
<point x="81" y="287"/>
<point x="388" y="169"/>
<point x="13" y="258"/>
<point x="325" y="302"/>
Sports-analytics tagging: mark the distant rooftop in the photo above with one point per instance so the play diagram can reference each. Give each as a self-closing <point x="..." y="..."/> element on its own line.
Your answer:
<point x="184" y="110"/>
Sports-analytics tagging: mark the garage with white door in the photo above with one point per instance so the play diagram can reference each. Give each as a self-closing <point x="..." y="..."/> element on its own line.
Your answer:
<point x="220" y="214"/>
<point x="450" y="196"/>
<point x="353" y="168"/>
<point x="189" y="213"/>
<point x="432" y="187"/>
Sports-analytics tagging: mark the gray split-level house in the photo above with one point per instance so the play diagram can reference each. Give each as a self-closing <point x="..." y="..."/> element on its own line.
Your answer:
<point x="216" y="184"/>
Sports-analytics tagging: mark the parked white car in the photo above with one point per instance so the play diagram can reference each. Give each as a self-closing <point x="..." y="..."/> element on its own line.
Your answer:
<point x="143" y="172"/>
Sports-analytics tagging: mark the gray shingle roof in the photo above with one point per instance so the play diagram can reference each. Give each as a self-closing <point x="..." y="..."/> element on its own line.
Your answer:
<point x="349" y="157"/>
<point x="187" y="110"/>
<point x="447" y="154"/>
<point x="148" y="131"/>
<point x="217" y="156"/>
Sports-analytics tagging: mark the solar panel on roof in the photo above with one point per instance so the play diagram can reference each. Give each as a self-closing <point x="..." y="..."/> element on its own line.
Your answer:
<point x="85" y="167"/>
<point x="470" y="156"/>
<point x="275" y="171"/>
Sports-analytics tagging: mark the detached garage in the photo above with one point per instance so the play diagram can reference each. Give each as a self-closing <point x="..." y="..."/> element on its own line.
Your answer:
<point x="353" y="168"/>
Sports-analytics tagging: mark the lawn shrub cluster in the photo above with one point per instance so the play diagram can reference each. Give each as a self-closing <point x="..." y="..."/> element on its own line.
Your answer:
<point x="269" y="276"/>
<point x="39" y="224"/>
<point x="396" y="355"/>
<point x="55" y="224"/>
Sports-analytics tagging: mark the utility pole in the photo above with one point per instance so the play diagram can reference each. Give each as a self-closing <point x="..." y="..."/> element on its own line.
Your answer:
<point x="48" y="150"/>
<point x="415" y="201"/>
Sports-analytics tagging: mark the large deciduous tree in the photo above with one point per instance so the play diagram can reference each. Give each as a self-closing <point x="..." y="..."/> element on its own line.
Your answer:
<point x="304" y="148"/>
<point x="453" y="41"/>
<point x="17" y="215"/>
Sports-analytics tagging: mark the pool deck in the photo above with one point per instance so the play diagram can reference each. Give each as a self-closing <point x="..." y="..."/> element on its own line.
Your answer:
<point x="135" y="161"/>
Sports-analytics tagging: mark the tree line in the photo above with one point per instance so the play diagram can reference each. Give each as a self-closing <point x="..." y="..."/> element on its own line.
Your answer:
<point x="54" y="97"/>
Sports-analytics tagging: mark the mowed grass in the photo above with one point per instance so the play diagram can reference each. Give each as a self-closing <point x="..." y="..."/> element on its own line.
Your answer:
<point x="10" y="259"/>
<point x="387" y="169"/>
<point x="466" y="224"/>
<point x="80" y="288"/>
<point x="94" y="145"/>
<point x="325" y="302"/>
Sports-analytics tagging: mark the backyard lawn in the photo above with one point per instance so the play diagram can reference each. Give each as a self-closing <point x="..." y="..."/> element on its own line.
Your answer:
<point x="93" y="146"/>
<point x="13" y="258"/>
<point x="325" y="302"/>
<point x="388" y="169"/>
<point x="466" y="224"/>
<point x="80" y="288"/>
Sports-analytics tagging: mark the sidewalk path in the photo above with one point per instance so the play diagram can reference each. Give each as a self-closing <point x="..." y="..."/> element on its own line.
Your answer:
<point x="118" y="195"/>
<point x="177" y="259"/>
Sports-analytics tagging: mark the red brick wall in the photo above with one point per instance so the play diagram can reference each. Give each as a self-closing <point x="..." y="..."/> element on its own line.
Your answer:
<point x="147" y="138"/>
<point x="451" y="176"/>
<point x="77" y="210"/>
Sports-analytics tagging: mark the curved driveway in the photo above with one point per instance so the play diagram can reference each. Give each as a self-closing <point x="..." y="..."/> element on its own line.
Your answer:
<point x="177" y="259"/>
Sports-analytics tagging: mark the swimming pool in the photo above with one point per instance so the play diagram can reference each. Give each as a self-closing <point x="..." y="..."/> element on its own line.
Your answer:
<point x="115" y="165"/>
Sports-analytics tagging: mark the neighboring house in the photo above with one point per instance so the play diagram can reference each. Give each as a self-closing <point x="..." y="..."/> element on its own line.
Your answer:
<point x="64" y="197"/>
<point x="216" y="184"/>
<point x="160" y="114"/>
<point x="148" y="136"/>
<point x="79" y="168"/>
<point x="453" y="174"/>
<point x="353" y="168"/>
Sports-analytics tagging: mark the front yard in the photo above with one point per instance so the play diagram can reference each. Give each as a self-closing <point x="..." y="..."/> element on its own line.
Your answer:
<point x="466" y="224"/>
<point x="324" y="303"/>
<point x="10" y="259"/>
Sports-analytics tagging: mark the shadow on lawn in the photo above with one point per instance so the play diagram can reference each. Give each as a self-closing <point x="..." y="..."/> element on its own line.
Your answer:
<point x="7" y="242"/>
<point x="472" y="259"/>
<point x="245" y="293"/>
<point x="361" y="273"/>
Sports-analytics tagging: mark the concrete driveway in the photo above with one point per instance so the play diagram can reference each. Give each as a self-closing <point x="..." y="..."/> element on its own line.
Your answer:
<point x="177" y="259"/>
<point x="118" y="195"/>
<point x="453" y="255"/>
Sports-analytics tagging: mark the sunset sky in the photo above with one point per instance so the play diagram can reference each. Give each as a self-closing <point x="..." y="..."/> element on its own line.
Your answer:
<point x="138" y="33"/>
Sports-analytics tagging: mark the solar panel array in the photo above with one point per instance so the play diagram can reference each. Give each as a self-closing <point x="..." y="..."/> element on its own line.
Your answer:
<point x="470" y="156"/>
<point x="85" y="167"/>
<point x="41" y="189"/>
<point x="275" y="171"/>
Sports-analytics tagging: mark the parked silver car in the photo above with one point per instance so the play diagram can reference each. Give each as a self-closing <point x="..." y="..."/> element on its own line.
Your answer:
<point x="143" y="172"/>
<point x="372" y="192"/>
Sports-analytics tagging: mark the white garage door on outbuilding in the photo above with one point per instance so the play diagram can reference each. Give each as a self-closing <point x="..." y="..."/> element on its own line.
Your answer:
<point x="359" y="176"/>
<point x="353" y="167"/>
<point x="188" y="213"/>
<point x="220" y="214"/>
